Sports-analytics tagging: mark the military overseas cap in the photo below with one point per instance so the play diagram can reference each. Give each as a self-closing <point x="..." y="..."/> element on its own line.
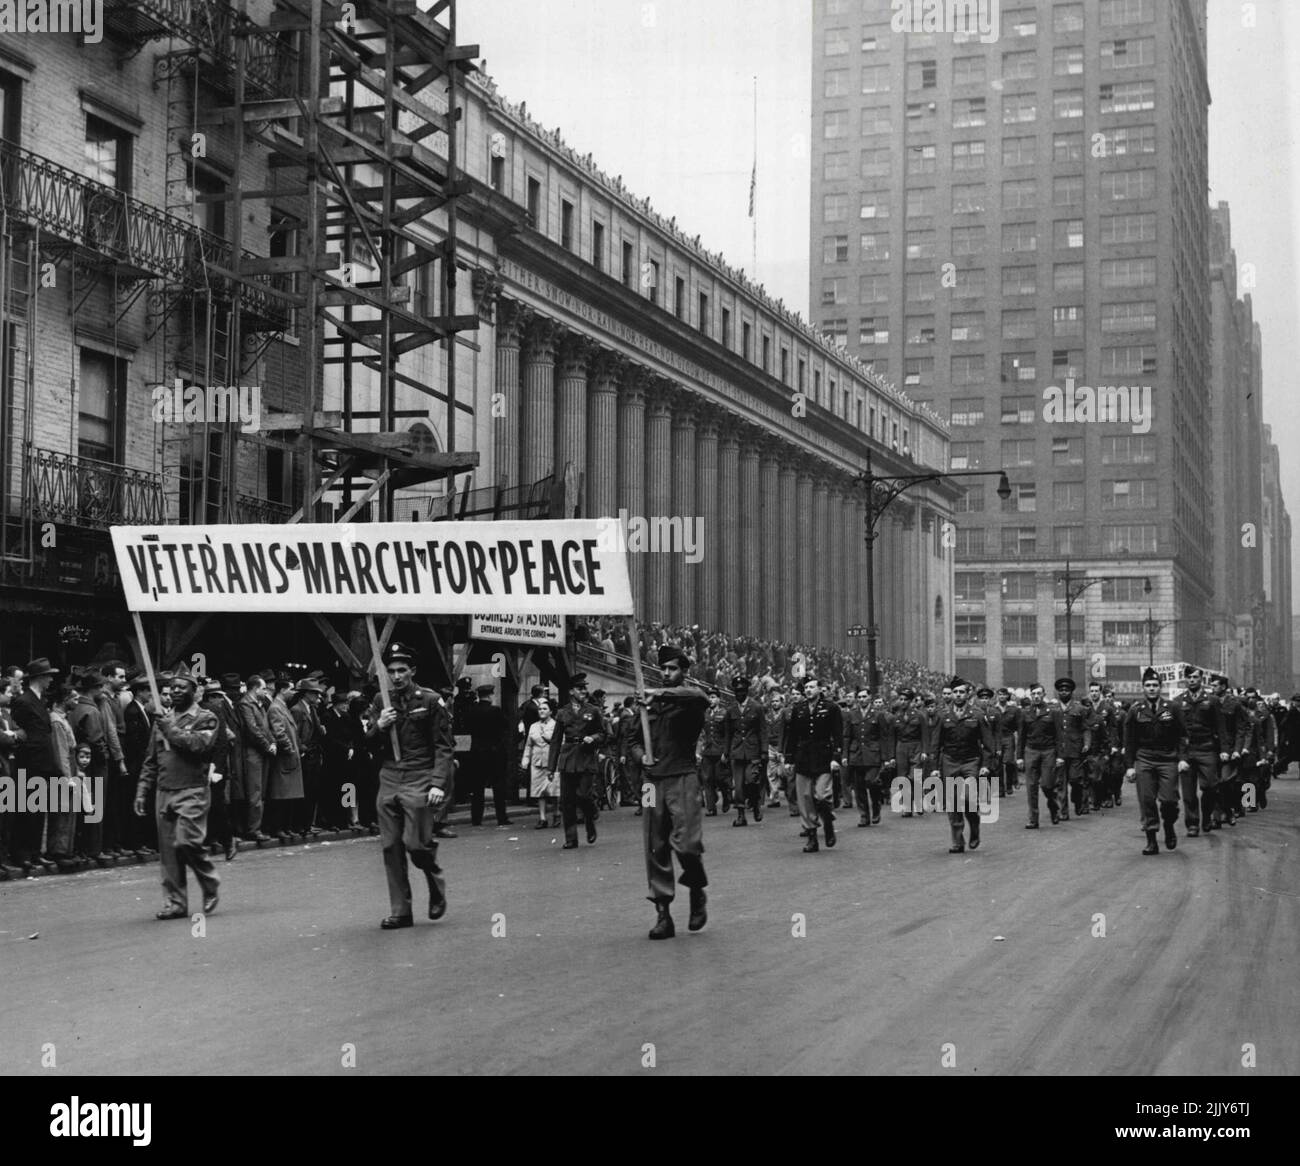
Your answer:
<point x="957" y="682"/>
<point x="670" y="655"/>
<point x="908" y="694"/>
<point x="1065" y="684"/>
<point x="399" y="653"/>
<point x="1150" y="674"/>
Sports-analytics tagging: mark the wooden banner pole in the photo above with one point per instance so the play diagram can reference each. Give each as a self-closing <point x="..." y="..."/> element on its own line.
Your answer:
<point x="630" y="622"/>
<point x="382" y="677"/>
<point x="148" y="667"/>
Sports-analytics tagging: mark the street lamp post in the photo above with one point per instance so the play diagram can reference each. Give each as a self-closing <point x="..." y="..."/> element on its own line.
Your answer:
<point x="889" y="487"/>
<point x="1072" y="594"/>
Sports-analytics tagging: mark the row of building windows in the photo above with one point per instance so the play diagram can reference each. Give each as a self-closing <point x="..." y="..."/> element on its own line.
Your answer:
<point x="970" y="155"/>
<point x="1022" y="586"/>
<point x="973" y="112"/>
<point x="1116" y="494"/>
<point x="1017" y="65"/>
<point x="1016" y="24"/>
<point x="1118" y="449"/>
<point x="1022" y="630"/>
<point x="1019" y="541"/>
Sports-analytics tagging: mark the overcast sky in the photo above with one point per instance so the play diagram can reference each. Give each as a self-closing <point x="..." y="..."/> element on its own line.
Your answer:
<point x="662" y="93"/>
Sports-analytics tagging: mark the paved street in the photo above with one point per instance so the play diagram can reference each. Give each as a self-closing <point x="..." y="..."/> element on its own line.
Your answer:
<point x="901" y="957"/>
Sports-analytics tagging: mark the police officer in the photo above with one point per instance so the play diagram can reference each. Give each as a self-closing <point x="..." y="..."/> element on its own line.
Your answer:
<point x="868" y="749"/>
<point x="748" y="751"/>
<point x="1074" y="747"/>
<point x="579" y="733"/>
<point x="176" y="764"/>
<point x="1206" y="751"/>
<point x="1038" y="745"/>
<point x="963" y="750"/>
<point x="814" y="742"/>
<point x="672" y="822"/>
<point x="411" y="786"/>
<point x="715" y="748"/>
<point x="1154" y="745"/>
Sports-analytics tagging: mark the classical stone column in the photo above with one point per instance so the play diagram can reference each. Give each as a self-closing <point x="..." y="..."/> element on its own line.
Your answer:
<point x="631" y="465"/>
<point x="684" y="574"/>
<point x="731" y="569"/>
<point x="602" y="436"/>
<point x="751" y="535"/>
<point x="659" y="496"/>
<point x="537" y="432"/>
<point x="769" y="467"/>
<point x="512" y="318"/>
<point x="574" y="353"/>
<point x="802" y="548"/>
<point x="706" y="501"/>
<point x="821" y="562"/>
<point x="839" y="581"/>
<point x="785" y="566"/>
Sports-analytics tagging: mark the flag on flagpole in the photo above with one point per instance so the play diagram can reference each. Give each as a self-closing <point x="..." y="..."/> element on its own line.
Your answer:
<point x="753" y="184"/>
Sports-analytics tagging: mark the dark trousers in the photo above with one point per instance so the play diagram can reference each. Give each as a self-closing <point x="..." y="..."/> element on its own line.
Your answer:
<point x="113" y="824"/>
<point x="406" y="831"/>
<point x="575" y="792"/>
<point x="906" y="758"/>
<point x="487" y="770"/>
<point x="1199" y="786"/>
<point x="1157" y="788"/>
<point x="963" y="777"/>
<point x="673" y="826"/>
<point x="1040" y="770"/>
<point x="334" y="775"/>
<point x="311" y="763"/>
<point x="717" y="783"/>
<point x="867" y="790"/>
<point x="1072" y="782"/>
<point x="746" y="783"/>
<point x="182" y="822"/>
<point x="221" y="827"/>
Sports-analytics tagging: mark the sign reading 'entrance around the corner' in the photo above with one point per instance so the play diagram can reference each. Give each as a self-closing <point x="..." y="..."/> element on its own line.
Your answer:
<point x="560" y="568"/>
<point x="543" y="631"/>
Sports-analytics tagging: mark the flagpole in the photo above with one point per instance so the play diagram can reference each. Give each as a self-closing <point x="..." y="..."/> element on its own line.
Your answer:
<point x="753" y="187"/>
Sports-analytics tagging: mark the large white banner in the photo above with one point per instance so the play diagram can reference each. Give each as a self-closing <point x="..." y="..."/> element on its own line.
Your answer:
<point x="519" y="628"/>
<point x="560" y="568"/>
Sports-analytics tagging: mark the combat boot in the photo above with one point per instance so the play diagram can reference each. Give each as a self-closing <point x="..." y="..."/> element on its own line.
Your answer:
<point x="699" y="912"/>
<point x="663" y="928"/>
<point x="811" y="847"/>
<point x="740" y="819"/>
<point x="828" y="824"/>
<point x="1151" y="847"/>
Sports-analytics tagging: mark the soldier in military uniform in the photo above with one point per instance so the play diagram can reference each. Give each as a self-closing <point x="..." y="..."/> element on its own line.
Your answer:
<point x="868" y="749"/>
<point x="1260" y="751"/>
<point x="1155" y="738"/>
<point x="1115" y="770"/>
<point x="579" y="733"/>
<point x="1206" y="751"/>
<point x="777" y="722"/>
<point x="963" y="750"/>
<point x="410" y="787"/>
<point x="1074" y="748"/>
<point x="1038" y="745"/>
<point x="1227" y="807"/>
<point x="630" y="741"/>
<point x="814" y="742"/>
<point x="1101" y="726"/>
<point x="176" y="765"/>
<point x="748" y="751"/>
<point x="672" y="823"/>
<point x="911" y="734"/>
<point x="715" y="748"/>
<point x="1006" y="728"/>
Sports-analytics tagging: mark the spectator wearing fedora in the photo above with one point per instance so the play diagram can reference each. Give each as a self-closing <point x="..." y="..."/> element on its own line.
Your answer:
<point x="176" y="767"/>
<point x="87" y="721"/>
<point x="284" y="779"/>
<point x="259" y="750"/>
<point x="339" y="736"/>
<point x="11" y="686"/>
<point x="579" y="733"/>
<point x="33" y="755"/>
<point x="137" y="728"/>
<point x="673" y="821"/>
<point x="311" y="739"/>
<point x="413" y="780"/>
<point x="489" y="753"/>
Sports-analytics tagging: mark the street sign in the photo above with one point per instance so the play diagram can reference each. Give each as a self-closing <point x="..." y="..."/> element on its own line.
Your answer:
<point x="857" y="630"/>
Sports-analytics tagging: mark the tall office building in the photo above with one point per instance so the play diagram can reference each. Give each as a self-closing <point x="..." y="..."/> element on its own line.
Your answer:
<point x="1010" y="221"/>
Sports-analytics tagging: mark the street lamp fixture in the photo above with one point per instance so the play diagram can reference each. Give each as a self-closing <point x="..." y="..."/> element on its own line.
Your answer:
<point x="882" y="489"/>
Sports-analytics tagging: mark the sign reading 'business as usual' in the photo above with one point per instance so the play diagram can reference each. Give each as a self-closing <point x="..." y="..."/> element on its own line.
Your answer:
<point x="561" y="568"/>
<point x="543" y="631"/>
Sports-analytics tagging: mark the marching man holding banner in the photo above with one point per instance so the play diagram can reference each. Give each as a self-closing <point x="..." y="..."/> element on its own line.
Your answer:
<point x="673" y="819"/>
<point x="177" y="763"/>
<point x="416" y="752"/>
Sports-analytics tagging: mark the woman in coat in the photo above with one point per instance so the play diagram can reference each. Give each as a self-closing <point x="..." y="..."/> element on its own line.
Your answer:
<point x="537" y="762"/>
